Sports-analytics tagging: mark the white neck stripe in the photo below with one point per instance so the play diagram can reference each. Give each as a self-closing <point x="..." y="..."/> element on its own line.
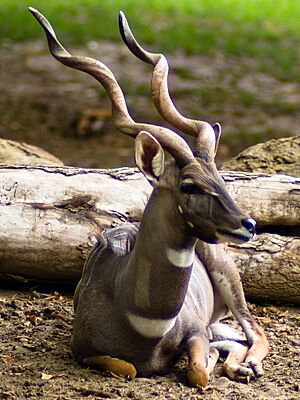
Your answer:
<point x="182" y="258"/>
<point x="150" y="328"/>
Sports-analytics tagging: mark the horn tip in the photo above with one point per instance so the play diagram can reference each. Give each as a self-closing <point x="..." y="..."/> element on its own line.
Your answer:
<point x="33" y="10"/>
<point x="123" y="26"/>
<point x="122" y="20"/>
<point x="37" y="15"/>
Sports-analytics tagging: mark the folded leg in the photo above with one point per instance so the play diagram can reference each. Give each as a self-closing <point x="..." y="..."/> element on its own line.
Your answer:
<point x="233" y="365"/>
<point x="202" y="361"/>
<point x="228" y="287"/>
<point x="115" y="366"/>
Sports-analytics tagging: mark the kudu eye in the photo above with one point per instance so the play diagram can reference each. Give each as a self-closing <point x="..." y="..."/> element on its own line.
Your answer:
<point x="189" y="188"/>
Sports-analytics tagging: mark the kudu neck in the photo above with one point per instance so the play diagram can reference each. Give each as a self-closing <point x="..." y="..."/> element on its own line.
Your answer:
<point x="162" y="220"/>
<point x="161" y="262"/>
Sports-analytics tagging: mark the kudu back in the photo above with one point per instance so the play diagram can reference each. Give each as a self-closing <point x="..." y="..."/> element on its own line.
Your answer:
<point x="145" y="296"/>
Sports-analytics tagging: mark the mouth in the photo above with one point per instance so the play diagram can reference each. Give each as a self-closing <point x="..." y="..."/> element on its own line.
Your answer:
<point x="238" y="236"/>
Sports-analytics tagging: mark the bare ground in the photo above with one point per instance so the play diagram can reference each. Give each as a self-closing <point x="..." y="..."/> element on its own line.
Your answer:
<point x="41" y="103"/>
<point x="35" y="358"/>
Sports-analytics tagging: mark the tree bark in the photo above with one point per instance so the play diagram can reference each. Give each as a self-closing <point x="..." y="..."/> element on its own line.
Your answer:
<point x="272" y="200"/>
<point x="270" y="267"/>
<point x="50" y="217"/>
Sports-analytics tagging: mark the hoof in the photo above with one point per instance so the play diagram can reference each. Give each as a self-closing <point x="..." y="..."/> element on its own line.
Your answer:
<point x="256" y="365"/>
<point x="115" y="366"/>
<point x="197" y="375"/>
<point x="238" y="373"/>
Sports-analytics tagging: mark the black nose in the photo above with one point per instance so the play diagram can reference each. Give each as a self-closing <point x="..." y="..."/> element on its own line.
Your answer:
<point x="249" y="224"/>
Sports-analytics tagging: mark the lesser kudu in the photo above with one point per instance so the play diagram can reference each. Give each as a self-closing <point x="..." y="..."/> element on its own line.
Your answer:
<point x="148" y="294"/>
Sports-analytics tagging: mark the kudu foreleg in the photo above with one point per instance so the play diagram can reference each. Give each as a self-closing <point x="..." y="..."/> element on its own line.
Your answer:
<point x="200" y="365"/>
<point x="113" y="365"/>
<point x="227" y="284"/>
<point x="233" y="365"/>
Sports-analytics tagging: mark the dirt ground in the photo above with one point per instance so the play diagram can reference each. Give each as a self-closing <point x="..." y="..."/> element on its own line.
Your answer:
<point x="35" y="358"/>
<point x="48" y="105"/>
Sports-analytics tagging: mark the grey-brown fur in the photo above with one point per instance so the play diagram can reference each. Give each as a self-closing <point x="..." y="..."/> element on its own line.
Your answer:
<point x="137" y="311"/>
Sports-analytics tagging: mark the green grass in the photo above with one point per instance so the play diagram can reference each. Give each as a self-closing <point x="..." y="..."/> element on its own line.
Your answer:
<point x="265" y="29"/>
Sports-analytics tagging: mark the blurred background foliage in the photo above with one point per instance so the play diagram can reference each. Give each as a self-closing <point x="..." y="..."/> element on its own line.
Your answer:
<point x="264" y="29"/>
<point x="232" y="61"/>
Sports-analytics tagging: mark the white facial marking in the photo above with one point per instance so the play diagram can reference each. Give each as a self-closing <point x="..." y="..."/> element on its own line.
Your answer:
<point x="180" y="209"/>
<point x="182" y="258"/>
<point x="190" y="224"/>
<point x="188" y="180"/>
<point x="151" y="328"/>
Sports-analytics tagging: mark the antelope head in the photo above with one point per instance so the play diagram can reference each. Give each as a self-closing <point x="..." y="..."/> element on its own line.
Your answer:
<point x="196" y="191"/>
<point x="202" y="197"/>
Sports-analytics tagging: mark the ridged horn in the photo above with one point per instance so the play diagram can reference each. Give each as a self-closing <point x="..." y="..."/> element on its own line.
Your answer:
<point x="168" y="139"/>
<point x="207" y="135"/>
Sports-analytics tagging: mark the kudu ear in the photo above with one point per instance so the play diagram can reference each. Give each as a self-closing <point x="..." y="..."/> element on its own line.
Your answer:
<point x="149" y="156"/>
<point x="217" y="130"/>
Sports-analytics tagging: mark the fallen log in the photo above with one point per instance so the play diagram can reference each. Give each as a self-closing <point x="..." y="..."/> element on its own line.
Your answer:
<point x="272" y="200"/>
<point x="270" y="267"/>
<point x="50" y="217"/>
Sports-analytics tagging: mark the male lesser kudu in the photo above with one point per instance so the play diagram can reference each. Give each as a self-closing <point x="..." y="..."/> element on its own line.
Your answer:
<point x="148" y="294"/>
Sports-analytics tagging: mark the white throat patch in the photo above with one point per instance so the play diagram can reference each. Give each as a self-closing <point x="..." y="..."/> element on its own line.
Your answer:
<point x="182" y="258"/>
<point x="150" y="328"/>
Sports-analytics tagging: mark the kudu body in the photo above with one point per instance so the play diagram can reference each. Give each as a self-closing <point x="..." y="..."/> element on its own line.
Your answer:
<point x="146" y="295"/>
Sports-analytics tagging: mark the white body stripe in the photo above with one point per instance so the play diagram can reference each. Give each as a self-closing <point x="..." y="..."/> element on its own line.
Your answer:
<point x="220" y="330"/>
<point x="247" y="328"/>
<point x="151" y="328"/>
<point x="181" y="258"/>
